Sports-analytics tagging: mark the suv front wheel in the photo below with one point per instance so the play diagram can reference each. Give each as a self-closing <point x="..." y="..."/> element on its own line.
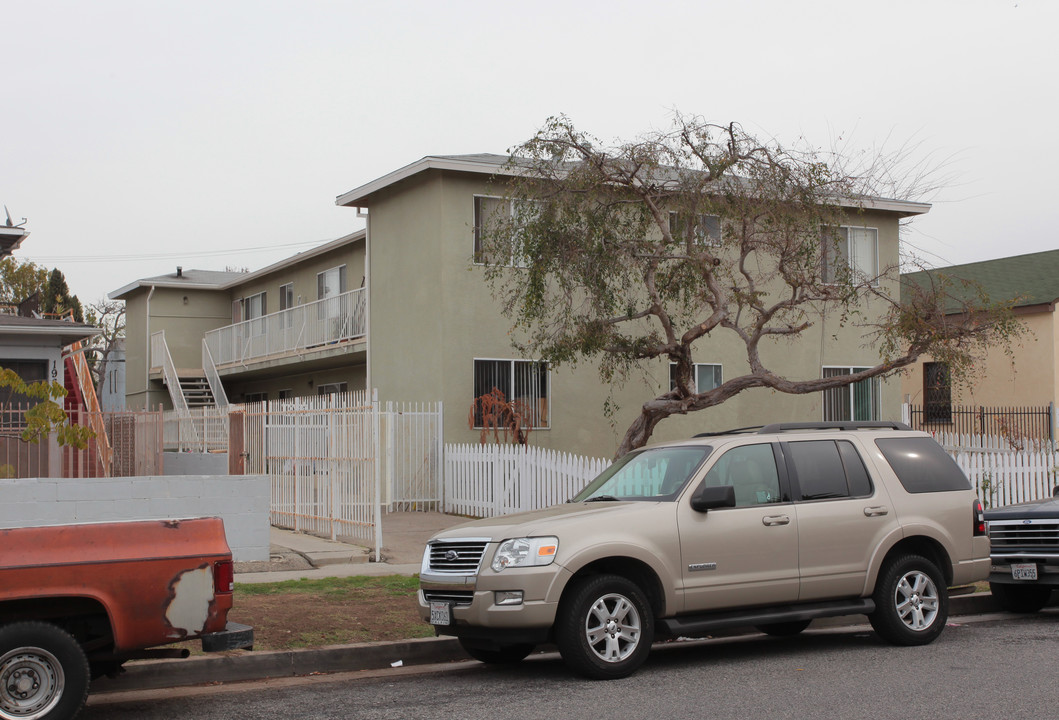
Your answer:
<point x="605" y="627"/>
<point x="911" y="602"/>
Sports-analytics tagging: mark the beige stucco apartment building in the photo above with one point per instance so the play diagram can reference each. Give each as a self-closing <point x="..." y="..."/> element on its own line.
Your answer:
<point x="412" y="316"/>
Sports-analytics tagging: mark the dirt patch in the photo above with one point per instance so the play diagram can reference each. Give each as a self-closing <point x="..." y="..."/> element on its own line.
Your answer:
<point x="332" y="612"/>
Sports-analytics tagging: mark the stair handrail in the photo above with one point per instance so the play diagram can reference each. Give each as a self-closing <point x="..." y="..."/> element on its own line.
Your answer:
<point x="83" y="376"/>
<point x="160" y="352"/>
<point x="213" y="378"/>
<point x="160" y="357"/>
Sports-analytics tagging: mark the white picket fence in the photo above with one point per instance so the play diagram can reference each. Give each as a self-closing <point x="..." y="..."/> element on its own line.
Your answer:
<point x="491" y="480"/>
<point x="1008" y="477"/>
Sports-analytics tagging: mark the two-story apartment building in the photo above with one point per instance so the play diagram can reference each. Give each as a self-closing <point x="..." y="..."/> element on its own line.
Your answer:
<point x="291" y="329"/>
<point x="419" y="323"/>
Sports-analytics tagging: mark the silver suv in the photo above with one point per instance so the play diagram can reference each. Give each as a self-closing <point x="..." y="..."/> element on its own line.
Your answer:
<point x="769" y="529"/>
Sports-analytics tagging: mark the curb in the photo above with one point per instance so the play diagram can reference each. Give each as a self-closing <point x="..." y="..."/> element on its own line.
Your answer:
<point x="199" y="670"/>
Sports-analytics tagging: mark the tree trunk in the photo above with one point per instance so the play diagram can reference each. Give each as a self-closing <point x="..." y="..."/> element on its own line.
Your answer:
<point x="641" y="430"/>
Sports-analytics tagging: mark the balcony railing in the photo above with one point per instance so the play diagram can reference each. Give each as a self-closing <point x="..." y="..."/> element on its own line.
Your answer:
<point x="313" y="325"/>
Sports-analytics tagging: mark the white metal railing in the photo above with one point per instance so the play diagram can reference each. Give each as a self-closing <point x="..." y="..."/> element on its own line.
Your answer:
<point x="209" y="369"/>
<point x="314" y="324"/>
<point x="196" y="429"/>
<point x="160" y="357"/>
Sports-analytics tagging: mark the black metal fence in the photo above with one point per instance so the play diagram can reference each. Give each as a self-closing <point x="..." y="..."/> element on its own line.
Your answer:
<point x="1013" y="424"/>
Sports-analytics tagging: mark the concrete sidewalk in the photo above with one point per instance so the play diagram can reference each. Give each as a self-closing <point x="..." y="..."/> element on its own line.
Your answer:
<point x="296" y="555"/>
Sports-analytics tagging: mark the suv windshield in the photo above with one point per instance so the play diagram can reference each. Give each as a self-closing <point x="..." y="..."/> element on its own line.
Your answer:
<point x="652" y="474"/>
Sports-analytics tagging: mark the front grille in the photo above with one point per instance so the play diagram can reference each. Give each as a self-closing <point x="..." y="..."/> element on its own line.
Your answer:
<point x="457" y="556"/>
<point x="1024" y="533"/>
<point x="456" y="597"/>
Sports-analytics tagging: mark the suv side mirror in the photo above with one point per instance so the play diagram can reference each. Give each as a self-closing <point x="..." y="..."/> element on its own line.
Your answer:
<point x="713" y="497"/>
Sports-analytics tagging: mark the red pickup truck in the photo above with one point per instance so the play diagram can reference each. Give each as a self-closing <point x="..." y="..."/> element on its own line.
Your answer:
<point x="76" y="601"/>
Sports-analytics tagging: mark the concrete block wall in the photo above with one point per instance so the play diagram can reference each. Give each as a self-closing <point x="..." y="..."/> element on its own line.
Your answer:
<point x="191" y="463"/>
<point x="242" y="501"/>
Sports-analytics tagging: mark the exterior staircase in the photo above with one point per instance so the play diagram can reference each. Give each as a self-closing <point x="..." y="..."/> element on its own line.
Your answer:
<point x="196" y="389"/>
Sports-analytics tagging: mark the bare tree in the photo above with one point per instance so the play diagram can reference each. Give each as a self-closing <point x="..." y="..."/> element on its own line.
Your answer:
<point x="109" y="317"/>
<point x="631" y="253"/>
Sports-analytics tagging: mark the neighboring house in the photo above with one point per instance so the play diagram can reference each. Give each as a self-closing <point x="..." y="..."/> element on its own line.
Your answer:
<point x="11" y="236"/>
<point x="402" y="307"/>
<point x="33" y="347"/>
<point x="1029" y="375"/>
<point x="112" y="389"/>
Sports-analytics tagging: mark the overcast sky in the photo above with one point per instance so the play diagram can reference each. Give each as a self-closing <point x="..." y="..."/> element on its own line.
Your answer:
<point x="137" y="136"/>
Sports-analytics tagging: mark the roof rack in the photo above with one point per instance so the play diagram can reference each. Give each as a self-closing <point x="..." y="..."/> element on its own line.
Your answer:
<point x="733" y="431"/>
<point x="844" y="425"/>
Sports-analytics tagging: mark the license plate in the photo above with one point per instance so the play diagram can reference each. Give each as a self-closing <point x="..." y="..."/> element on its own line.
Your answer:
<point x="440" y="613"/>
<point x="1024" y="571"/>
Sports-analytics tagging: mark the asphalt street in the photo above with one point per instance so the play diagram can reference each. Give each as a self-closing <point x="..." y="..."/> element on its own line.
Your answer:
<point x="983" y="666"/>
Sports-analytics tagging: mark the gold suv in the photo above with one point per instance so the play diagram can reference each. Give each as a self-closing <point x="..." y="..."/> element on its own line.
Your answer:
<point x="769" y="529"/>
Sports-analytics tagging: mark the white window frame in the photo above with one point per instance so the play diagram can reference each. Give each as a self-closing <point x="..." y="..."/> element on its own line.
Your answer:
<point x="511" y="383"/>
<point x="875" y="398"/>
<point x="248" y="305"/>
<point x="286" y="296"/>
<point x="695" y="375"/>
<point x="332" y="388"/>
<point x="514" y="260"/>
<point x="321" y="281"/>
<point x="703" y="236"/>
<point x="857" y="273"/>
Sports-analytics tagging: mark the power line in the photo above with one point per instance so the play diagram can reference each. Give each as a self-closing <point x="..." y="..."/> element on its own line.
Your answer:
<point x="131" y="257"/>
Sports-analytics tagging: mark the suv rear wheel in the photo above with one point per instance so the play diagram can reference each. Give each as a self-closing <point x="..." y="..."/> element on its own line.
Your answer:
<point x="605" y="627"/>
<point x="1021" y="598"/>
<point x="911" y="602"/>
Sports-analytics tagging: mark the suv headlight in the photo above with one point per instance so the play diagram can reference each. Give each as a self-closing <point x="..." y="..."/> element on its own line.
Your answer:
<point x="525" y="552"/>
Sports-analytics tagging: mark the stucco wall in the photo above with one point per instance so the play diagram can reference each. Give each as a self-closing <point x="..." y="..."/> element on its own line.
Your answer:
<point x="241" y="501"/>
<point x="1025" y="377"/>
<point x="432" y="313"/>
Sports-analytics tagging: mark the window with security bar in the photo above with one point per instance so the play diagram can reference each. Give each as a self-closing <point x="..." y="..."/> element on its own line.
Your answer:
<point x="937" y="392"/>
<point x="523" y="383"/>
<point x="858" y="401"/>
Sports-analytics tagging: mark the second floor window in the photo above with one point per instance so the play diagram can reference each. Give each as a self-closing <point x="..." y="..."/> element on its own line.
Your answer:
<point x="286" y="296"/>
<point x="331" y="282"/>
<point x="850" y="253"/>
<point x="489" y="210"/>
<point x="254" y="306"/>
<point x="702" y="229"/>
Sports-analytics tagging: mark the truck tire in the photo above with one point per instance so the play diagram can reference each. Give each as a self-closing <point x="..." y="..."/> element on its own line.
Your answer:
<point x="1021" y="598"/>
<point x="911" y="601"/>
<point x="605" y="627"/>
<point x="43" y="672"/>
<point x="504" y="655"/>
